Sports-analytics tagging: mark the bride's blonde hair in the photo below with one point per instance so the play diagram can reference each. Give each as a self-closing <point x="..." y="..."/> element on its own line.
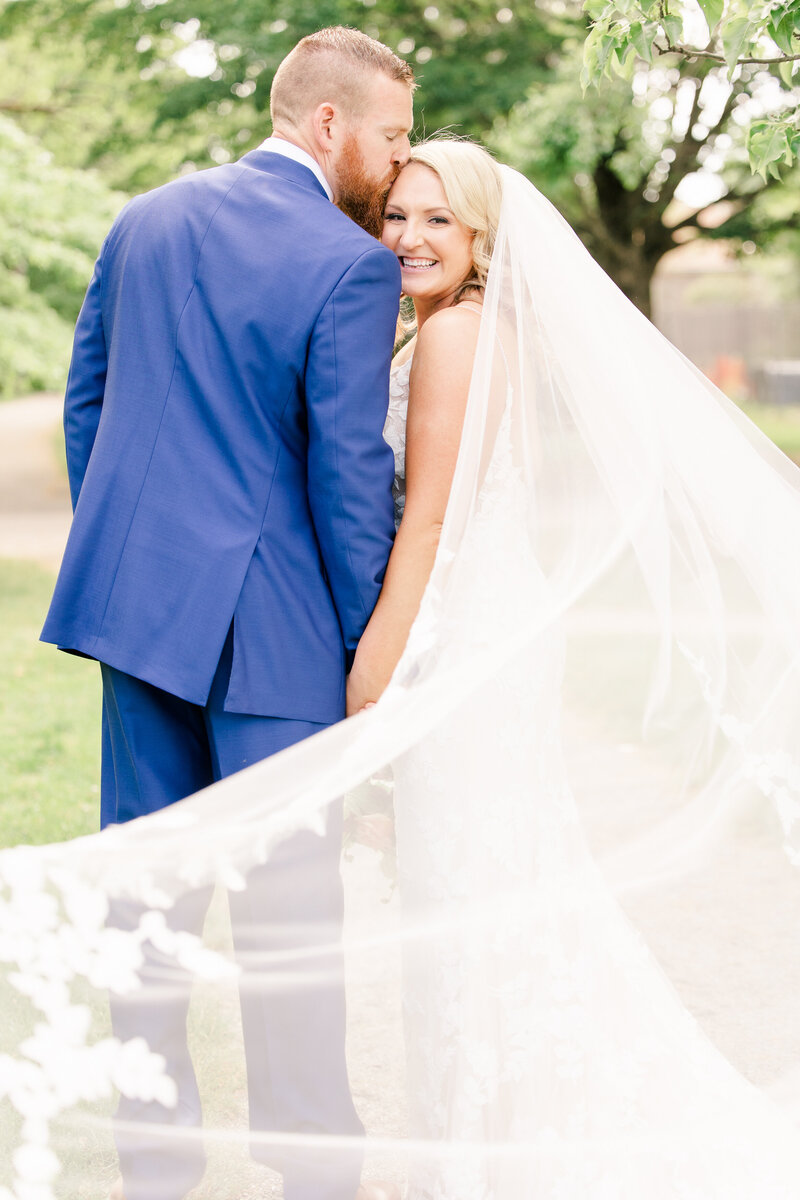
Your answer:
<point x="473" y="185"/>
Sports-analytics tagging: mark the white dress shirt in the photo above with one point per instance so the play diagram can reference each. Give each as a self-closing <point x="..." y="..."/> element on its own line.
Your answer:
<point x="277" y="145"/>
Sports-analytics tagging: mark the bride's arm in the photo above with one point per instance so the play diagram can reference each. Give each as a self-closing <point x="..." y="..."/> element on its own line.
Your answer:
<point x="439" y="384"/>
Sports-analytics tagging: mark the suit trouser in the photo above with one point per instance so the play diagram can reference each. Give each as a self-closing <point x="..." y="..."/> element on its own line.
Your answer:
<point x="156" y="750"/>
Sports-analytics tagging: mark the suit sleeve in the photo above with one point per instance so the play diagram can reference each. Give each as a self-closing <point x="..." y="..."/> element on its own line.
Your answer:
<point x="350" y="466"/>
<point x="85" y="385"/>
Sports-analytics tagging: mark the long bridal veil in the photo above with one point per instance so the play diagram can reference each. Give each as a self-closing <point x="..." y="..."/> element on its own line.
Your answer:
<point x="592" y="739"/>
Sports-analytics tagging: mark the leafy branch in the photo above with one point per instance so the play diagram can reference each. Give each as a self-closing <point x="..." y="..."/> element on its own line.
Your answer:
<point x="734" y="34"/>
<point x="692" y="52"/>
<point x="21" y="106"/>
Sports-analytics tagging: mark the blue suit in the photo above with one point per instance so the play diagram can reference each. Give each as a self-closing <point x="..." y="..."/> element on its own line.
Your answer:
<point x="233" y="520"/>
<point x="223" y="421"/>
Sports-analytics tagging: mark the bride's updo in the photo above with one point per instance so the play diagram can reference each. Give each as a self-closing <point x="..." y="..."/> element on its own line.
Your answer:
<point x="473" y="185"/>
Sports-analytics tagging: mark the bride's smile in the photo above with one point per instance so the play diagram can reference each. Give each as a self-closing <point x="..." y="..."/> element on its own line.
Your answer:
<point x="416" y="264"/>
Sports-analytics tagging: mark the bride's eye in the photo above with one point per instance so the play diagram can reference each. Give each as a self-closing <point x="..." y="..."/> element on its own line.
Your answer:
<point x="393" y="217"/>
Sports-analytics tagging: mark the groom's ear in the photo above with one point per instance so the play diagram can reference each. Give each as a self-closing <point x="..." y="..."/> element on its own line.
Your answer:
<point x="324" y="122"/>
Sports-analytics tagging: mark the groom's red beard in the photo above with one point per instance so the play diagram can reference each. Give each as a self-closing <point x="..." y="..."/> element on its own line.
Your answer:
<point x="360" y="196"/>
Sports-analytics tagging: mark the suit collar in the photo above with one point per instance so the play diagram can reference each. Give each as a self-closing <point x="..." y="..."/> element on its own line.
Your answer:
<point x="278" y="164"/>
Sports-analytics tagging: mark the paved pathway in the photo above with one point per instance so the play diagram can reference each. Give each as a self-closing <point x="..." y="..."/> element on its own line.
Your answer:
<point x="34" y="496"/>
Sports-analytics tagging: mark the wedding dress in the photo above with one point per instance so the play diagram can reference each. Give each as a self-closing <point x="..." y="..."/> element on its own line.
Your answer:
<point x="598" y="704"/>
<point x="541" y="1032"/>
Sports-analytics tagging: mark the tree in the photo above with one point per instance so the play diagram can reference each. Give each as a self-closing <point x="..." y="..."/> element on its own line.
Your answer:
<point x="614" y="166"/>
<point x="735" y="33"/>
<point x="52" y="220"/>
<point x="203" y="67"/>
<point x="143" y="90"/>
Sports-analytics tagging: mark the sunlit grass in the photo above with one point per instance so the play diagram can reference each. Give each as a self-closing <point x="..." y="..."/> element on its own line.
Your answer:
<point x="49" y="721"/>
<point x="781" y="423"/>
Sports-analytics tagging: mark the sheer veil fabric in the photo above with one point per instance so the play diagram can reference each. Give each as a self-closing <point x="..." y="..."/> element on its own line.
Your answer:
<point x="593" y="739"/>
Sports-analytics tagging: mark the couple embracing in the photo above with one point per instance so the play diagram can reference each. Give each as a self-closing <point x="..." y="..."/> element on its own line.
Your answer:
<point x="235" y="505"/>
<point x="261" y="501"/>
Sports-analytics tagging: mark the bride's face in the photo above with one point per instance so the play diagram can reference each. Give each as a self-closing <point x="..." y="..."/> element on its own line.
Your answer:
<point x="434" y="248"/>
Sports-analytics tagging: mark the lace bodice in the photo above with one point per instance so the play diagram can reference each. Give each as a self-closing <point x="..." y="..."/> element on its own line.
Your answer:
<point x="394" y="431"/>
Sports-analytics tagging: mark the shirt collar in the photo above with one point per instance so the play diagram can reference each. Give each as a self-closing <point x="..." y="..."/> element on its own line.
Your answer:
<point x="276" y="145"/>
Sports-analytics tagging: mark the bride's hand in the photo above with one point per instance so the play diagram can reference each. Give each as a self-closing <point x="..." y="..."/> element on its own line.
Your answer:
<point x="361" y="691"/>
<point x="375" y="830"/>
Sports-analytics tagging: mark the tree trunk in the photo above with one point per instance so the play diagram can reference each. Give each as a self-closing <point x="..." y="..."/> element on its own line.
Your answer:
<point x="628" y="236"/>
<point x="631" y="270"/>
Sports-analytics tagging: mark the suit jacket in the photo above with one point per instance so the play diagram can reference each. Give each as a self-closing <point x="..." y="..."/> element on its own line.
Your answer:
<point x="223" y="418"/>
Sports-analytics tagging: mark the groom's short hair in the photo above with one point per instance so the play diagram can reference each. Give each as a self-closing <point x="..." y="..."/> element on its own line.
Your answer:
<point x="333" y="64"/>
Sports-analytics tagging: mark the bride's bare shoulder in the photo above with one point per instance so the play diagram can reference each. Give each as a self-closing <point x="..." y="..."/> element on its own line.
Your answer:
<point x="442" y="369"/>
<point x="449" y="331"/>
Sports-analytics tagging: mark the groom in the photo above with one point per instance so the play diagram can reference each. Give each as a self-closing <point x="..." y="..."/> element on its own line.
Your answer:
<point x="233" y="519"/>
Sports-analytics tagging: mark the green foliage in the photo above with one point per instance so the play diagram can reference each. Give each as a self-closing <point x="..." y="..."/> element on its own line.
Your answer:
<point x="141" y="91"/>
<point x="145" y="89"/>
<point x="615" y="165"/>
<point x="734" y="33"/>
<point x="86" y="113"/>
<point x="90" y="109"/>
<point x="772" y="144"/>
<point x="197" y="73"/>
<point x="52" y="221"/>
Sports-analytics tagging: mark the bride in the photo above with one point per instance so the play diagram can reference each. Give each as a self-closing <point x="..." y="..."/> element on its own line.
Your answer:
<point x="539" y="1031"/>
<point x="586" y="651"/>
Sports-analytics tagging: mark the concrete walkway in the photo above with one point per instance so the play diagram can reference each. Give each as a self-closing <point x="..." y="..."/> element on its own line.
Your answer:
<point x="34" y="496"/>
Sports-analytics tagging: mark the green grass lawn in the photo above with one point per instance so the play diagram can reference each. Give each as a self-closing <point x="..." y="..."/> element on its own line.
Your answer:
<point x="781" y="423"/>
<point x="49" y="721"/>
